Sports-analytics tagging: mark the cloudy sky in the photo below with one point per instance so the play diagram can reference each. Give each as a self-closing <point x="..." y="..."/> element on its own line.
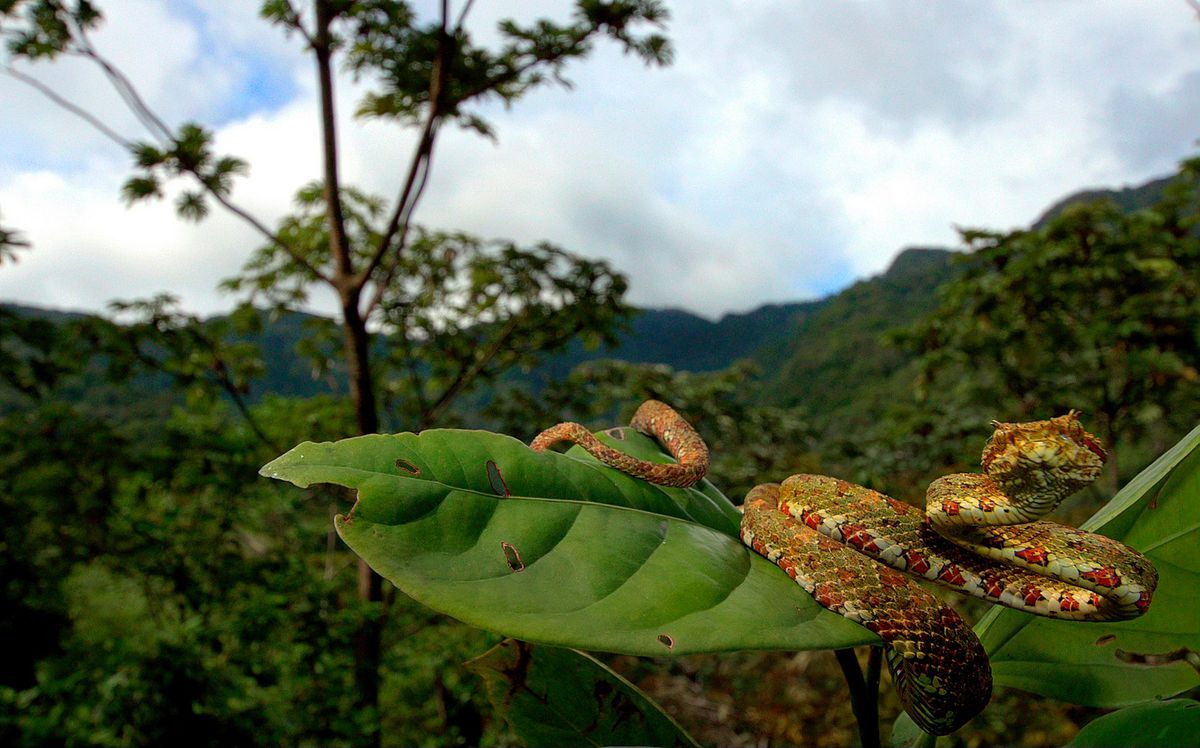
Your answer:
<point x="792" y="148"/>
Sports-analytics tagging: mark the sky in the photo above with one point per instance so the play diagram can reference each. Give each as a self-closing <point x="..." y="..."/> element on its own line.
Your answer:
<point x="791" y="148"/>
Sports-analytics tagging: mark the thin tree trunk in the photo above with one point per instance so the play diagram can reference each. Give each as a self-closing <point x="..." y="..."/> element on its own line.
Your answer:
<point x="358" y="361"/>
<point x="368" y="640"/>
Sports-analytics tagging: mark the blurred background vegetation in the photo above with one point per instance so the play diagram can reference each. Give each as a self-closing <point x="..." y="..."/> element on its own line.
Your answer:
<point x="157" y="592"/>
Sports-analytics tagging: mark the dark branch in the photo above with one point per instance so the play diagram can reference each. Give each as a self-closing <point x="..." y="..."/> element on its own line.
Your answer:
<point x="462" y="15"/>
<point x="126" y="90"/>
<point x="339" y="247"/>
<point x="294" y="21"/>
<point x="469" y="372"/>
<point x="155" y="124"/>
<point x="404" y="224"/>
<point x="71" y="107"/>
<point x="414" y="183"/>
<point x="865" y="709"/>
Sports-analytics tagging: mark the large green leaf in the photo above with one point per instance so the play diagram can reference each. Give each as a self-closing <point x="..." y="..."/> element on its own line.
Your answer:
<point x="559" y="549"/>
<point x="1158" y="513"/>
<point x="1160" y="723"/>
<point x="555" y="697"/>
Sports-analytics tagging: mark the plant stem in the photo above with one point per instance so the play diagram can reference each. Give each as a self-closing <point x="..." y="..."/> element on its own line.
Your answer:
<point x="874" y="665"/>
<point x="863" y="700"/>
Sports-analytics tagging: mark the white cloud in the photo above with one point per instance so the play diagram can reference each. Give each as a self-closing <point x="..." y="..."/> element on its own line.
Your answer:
<point x="790" y="148"/>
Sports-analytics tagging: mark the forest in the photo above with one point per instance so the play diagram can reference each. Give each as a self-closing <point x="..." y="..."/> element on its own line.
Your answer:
<point x="159" y="588"/>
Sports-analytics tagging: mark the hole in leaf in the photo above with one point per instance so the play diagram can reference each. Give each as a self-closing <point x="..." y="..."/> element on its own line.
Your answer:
<point x="512" y="557"/>
<point x="496" y="479"/>
<point x="407" y="466"/>
<point x="1106" y="639"/>
<point x="666" y="641"/>
<point x="617" y="433"/>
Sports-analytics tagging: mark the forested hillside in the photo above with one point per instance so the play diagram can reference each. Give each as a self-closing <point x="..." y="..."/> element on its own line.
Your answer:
<point x="825" y="355"/>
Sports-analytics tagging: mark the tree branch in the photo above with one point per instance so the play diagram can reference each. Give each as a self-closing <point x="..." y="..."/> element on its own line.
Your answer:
<point x="339" y="247"/>
<point x="418" y="170"/>
<point x="462" y="15"/>
<point x="155" y="124"/>
<point x="294" y="21"/>
<point x="71" y="107"/>
<point x="404" y="223"/>
<point x="468" y="373"/>
<point x="125" y="89"/>
<point x="258" y="226"/>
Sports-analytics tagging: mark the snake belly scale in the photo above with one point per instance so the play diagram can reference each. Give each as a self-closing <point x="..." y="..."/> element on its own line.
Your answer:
<point x="846" y="545"/>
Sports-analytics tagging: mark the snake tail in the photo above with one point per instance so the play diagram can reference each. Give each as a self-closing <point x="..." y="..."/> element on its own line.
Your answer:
<point x="655" y="419"/>
<point x="940" y="668"/>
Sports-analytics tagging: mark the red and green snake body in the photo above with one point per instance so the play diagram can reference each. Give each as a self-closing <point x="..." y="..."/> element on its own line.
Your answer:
<point x="980" y="535"/>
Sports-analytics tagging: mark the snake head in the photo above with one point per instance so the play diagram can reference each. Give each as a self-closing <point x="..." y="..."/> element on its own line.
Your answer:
<point x="1052" y="457"/>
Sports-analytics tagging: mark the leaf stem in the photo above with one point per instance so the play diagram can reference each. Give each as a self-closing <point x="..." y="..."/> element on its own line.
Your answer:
<point x="863" y="700"/>
<point x="874" y="665"/>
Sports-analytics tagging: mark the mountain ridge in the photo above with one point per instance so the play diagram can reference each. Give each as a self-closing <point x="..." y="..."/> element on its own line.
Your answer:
<point x="822" y="354"/>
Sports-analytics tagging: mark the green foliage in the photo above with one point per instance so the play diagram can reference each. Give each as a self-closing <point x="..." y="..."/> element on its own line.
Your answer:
<point x="537" y="689"/>
<point x="458" y="312"/>
<point x="1175" y="722"/>
<point x="10" y="242"/>
<point x="159" y="600"/>
<point x="188" y="152"/>
<point x="836" y="359"/>
<point x="389" y="46"/>
<point x="37" y="354"/>
<point x="279" y="273"/>
<point x="481" y="309"/>
<point x="1095" y="310"/>
<point x="559" y="549"/>
<point x="44" y="28"/>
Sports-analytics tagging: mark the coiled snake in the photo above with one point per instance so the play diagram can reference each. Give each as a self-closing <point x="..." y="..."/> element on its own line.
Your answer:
<point x="980" y="535"/>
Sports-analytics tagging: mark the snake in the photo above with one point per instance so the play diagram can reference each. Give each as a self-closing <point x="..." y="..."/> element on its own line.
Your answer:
<point x="856" y="550"/>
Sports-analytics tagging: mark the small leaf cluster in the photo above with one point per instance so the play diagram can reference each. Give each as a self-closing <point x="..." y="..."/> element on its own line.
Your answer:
<point x="40" y="29"/>
<point x="387" y="44"/>
<point x="10" y="242"/>
<point x="188" y="153"/>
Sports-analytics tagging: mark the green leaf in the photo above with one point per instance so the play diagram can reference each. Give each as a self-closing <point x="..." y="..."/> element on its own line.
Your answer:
<point x="563" y="697"/>
<point x="906" y="734"/>
<point x="559" y="549"/>
<point x="1174" y="723"/>
<point x="140" y="188"/>
<point x="191" y="206"/>
<point x="1158" y="514"/>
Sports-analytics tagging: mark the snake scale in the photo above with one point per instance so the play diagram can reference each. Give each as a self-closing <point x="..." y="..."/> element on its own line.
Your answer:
<point x="980" y="535"/>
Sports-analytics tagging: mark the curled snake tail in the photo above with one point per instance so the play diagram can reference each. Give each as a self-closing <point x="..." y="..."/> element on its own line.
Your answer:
<point x="655" y="419"/>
